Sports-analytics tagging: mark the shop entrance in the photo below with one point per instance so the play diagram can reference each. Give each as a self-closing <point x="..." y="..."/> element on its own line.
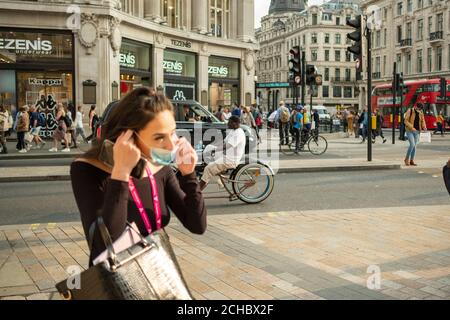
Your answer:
<point x="222" y="94"/>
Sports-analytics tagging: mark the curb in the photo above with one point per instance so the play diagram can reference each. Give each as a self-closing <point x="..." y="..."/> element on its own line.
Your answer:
<point x="40" y="156"/>
<point x="281" y="170"/>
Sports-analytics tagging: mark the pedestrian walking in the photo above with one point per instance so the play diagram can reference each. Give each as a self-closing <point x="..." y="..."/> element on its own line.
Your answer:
<point x="378" y="132"/>
<point x="350" y="128"/>
<point x="364" y="124"/>
<point x="93" y="120"/>
<point x="79" y="129"/>
<point x="4" y="127"/>
<point x="414" y="123"/>
<point x="297" y="121"/>
<point x="316" y="119"/>
<point x="37" y="121"/>
<point x="356" y="124"/>
<point x="236" y="111"/>
<point x="345" y="114"/>
<point x="60" y="133"/>
<point x="71" y="114"/>
<point x="140" y="187"/>
<point x="23" y="125"/>
<point x="282" y="118"/>
<point x="440" y="123"/>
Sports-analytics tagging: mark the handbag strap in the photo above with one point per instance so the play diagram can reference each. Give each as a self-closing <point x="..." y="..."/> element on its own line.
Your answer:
<point x="139" y="205"/>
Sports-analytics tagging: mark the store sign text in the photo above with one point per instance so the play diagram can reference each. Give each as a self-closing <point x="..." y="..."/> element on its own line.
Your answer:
<point x="45" y="82"/>
<point x="173" y="67"/>
<point x="128" y="60"/>
<point x="183" y="44"/>
<point x="22" y="46"/>
<point x="221" y="71"/>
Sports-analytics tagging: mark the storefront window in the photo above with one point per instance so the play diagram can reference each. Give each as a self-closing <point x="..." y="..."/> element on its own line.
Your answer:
<point x="44" y="90"/>
<point x="224" y="81"/>
<point x="134" y="66"/>
<point x="177" y="63"/>
<point x="8" y="88"/>
<point x="39" y="47"/>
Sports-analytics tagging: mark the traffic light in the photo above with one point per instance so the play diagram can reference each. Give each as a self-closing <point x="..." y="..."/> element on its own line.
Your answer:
<point x="310" y="74"/>
<point x="399" y="82"/>
<point x="294" y="65"/>
<point x="356" y="36"/>
<point x="443" y="83"/>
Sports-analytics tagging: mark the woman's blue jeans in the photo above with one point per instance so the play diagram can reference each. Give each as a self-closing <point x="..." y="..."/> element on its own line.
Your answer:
<point x="413" y="138"/>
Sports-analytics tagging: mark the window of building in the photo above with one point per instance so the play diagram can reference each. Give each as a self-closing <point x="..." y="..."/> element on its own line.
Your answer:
<point x="408" y="30"/>
<point x="326" y="16"/>
<point x="419" y="61"/>
<point x="385" y="13"/>
<point x="408" y="63"/>
<point x="440" y="22"/>
<point x="337" y="74"/>
<point x="348" y="74"/>
<point x="314" y="38"/>
<point x="378" y="65"/>
<point x="325" y="92"/>
<point x="430" y="24"/>
<point x="399" y="62"/>
<point x="438" y="59"/>
<point x="219" y="18"/>
<point x="420" y="29"/>
<point x="314" y="19"/>
<point x="399" y="34"/>
<point x="314" y="55"/>
<point x="338" y="38"/>
<point x="385" y="38"/>
<point x="327" y="55"/>
<point x="327" y="38"/>
<point x="348" y="17"/>
<point x="348" y="92"/>
<point x="337" y="92"/>
<point x="172" y="12"/>
<point x="378" y="39"/>
<point x="448" y="55"/>
<point x="384" y="65"/>
<point x="419" y="4"/>
<point x="337" y="55"/>
<point x="430" y="59"/>
<point x="327" y="74"/>
<point x="399" y="8"/>
<point x="409" y="5"/>
<point x="338" y="21"/>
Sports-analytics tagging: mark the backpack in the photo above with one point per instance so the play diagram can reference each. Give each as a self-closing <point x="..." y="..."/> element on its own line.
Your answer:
<point x="294" y="117"/>
<point x="42" y="122"/>
<point x="258" y="120"/>
<point x="68" y="121"/>
<point x="284" y="115"/>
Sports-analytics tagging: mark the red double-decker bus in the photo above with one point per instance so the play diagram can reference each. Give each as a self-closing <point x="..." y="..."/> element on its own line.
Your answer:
<point x="425" y="92"/>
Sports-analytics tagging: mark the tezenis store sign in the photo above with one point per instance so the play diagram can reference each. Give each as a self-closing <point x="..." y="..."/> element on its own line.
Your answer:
<point x="22" y="46"/>
<point x="127" y="60"/>
<point x="218" y="72"/>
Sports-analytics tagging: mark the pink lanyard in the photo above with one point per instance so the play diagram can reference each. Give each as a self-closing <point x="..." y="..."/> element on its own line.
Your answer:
<point x="138" y="201"/>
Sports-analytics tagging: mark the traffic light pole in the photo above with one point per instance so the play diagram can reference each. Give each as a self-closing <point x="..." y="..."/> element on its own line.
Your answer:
<point x="402" y="118"/>
<point x="303" y="77"/>
<point x="394" y="90"/>
<point x="369" y="94"/>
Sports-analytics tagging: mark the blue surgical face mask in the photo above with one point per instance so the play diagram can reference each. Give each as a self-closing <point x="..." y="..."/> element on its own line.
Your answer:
<point x="160" y="156"/>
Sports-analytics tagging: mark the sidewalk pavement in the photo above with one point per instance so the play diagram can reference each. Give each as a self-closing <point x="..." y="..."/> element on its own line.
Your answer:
<point x="330" y="254"/>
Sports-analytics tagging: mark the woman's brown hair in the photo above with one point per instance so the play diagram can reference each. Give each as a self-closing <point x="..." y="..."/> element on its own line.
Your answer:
<point x="133" y="112"/>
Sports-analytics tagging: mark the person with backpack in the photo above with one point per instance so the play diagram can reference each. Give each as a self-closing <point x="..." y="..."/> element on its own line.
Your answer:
<point x="60" y="133"/>
<point x="79" y="129"/>
<point x="414" y="123"/>
<point x="37" y="121"/>
<point x="70" y="122"/>
<point x="283" y="116"/>
<point x="93" y="121"/>
<point x="297" y="126"/>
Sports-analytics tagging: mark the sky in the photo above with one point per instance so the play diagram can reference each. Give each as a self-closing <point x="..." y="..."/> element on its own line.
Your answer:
<point x="262" y="9"/>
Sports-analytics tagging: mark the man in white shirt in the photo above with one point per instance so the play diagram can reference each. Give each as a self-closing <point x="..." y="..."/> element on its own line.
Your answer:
<point x="79" y="130"/>
<point x="234" y="151"/>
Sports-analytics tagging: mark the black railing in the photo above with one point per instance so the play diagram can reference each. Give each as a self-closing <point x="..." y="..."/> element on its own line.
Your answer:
<point x="438" y="35"/>
<point x="405" y="43"/>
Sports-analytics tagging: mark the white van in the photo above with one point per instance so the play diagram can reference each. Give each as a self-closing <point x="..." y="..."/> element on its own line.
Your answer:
<point x="324" y="116"/>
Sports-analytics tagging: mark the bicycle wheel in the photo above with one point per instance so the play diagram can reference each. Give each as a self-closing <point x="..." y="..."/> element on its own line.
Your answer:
<point x="253" y="183"/>
<point x="317" y="145"/>
<point x="288" y="149"/>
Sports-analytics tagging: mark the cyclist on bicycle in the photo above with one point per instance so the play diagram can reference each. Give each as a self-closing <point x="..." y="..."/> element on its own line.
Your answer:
<point x="297" y="121"/>
<point x="234" y="151"/>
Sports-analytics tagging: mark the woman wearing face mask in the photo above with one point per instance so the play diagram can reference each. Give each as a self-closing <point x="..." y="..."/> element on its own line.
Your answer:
<point x="142" y="127"/>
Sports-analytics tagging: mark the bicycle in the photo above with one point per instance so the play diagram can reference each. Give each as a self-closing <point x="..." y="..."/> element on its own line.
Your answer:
<point x="251" y="183"/>
<point x="316" y="143"/>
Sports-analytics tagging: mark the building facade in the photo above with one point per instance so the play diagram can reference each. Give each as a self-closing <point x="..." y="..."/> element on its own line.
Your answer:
<point x="415" y="34"/>
<point x="321" y="32"/>
<point x="94" y="52"/>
